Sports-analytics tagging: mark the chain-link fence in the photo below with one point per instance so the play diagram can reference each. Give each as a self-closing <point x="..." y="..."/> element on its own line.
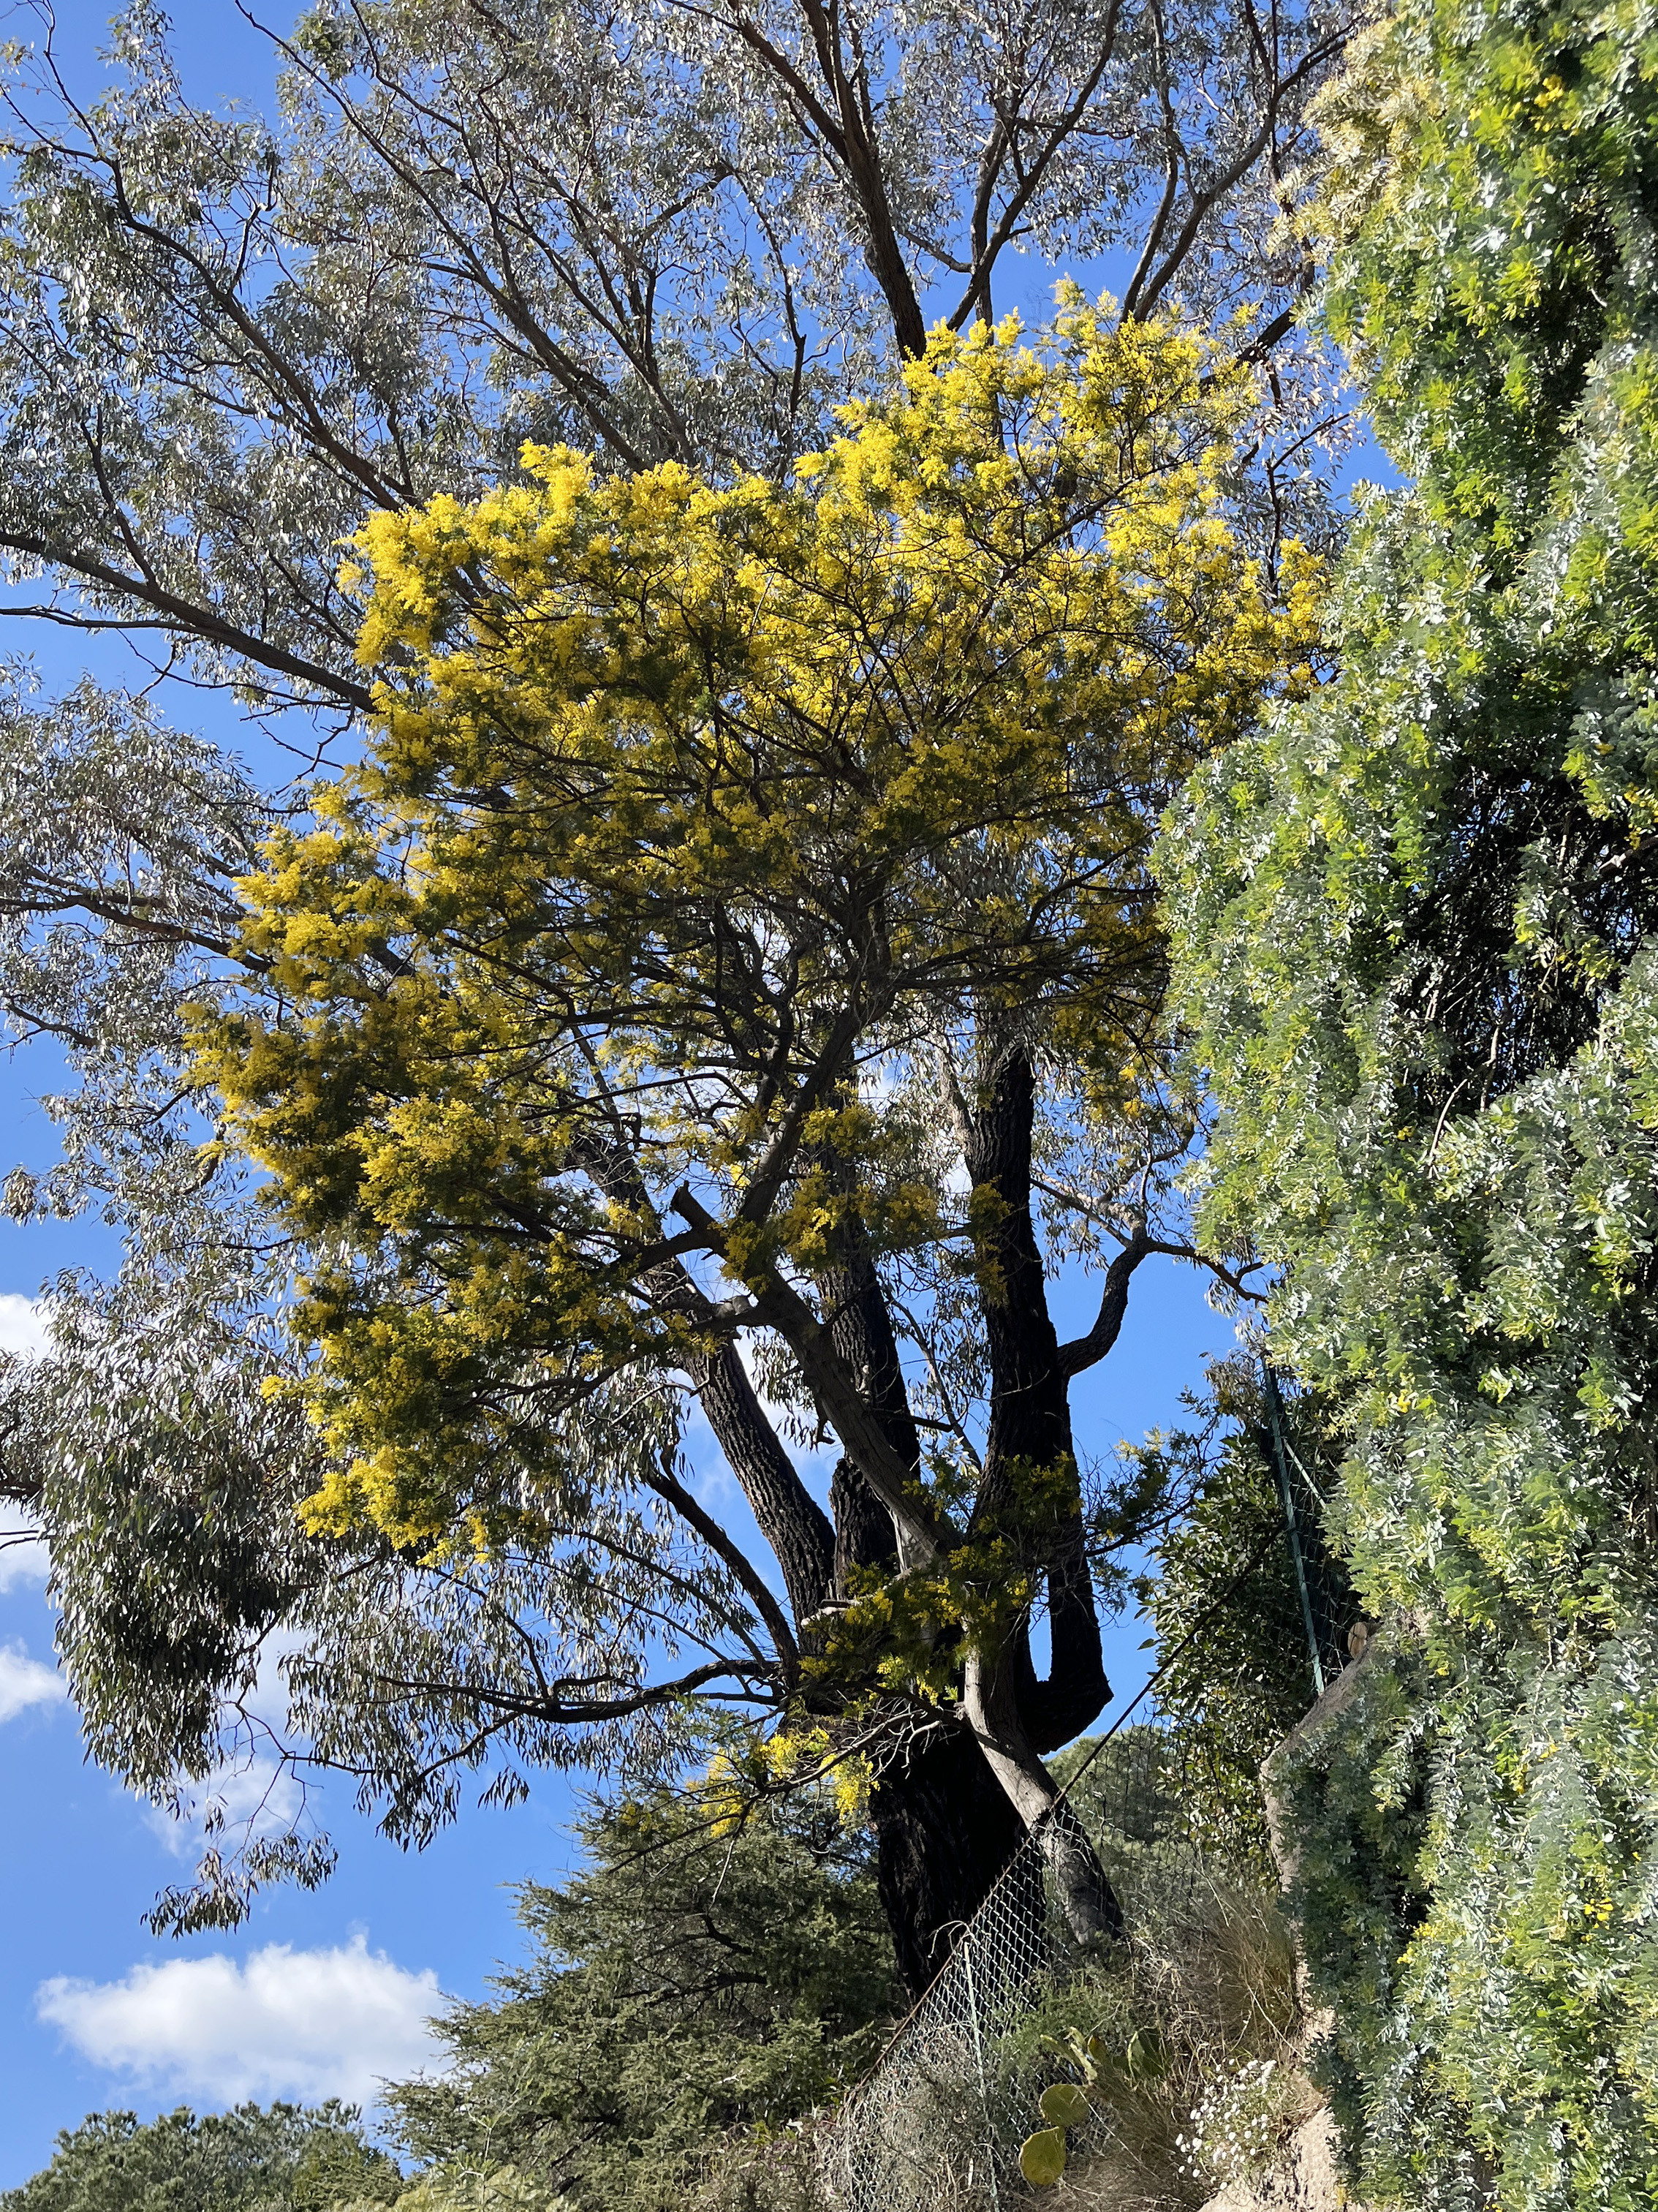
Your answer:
<point x="937" y="2125"/>
<point x="938" y="2122"/>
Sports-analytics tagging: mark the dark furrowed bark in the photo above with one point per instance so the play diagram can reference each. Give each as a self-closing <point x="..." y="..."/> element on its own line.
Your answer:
<point x="790" y="1519"/>
<point x="1061" y="1707"/>
<point x="1030" y="1414"/>
<point x="792" y="1523"/>
<point x="944" y="1826"/>
<point x="863" y="1528"/>
<point x="944" y="1830"/>
<point x="861" y="1329"/>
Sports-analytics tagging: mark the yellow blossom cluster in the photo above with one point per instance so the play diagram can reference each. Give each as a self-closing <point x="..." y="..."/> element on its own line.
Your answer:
<point x="688" y="801"/>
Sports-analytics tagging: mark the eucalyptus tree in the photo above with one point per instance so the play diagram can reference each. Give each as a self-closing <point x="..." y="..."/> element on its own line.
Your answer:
<point x="684" y="232"/>
<point x="682" y="236"/>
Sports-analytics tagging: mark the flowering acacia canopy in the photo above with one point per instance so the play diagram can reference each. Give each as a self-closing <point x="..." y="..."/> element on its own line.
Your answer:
<point x="655" y="233"/>
<point x="678" y="967"/>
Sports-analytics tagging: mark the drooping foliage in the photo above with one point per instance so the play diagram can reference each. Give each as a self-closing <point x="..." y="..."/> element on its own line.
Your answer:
<point x="279" y="2158"/>
<point x="689" y="1989"/>
<point x="1416" y="918"/>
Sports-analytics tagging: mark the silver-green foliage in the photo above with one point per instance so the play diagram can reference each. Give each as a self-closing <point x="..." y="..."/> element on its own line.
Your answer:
<point x="1417" y="921"/>
<point x="679" y="232"/>
<point x="204" y="1635"/>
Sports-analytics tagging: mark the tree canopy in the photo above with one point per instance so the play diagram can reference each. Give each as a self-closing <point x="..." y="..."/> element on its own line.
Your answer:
<point x="279" y="2158"/>
<point x="697" y="815"/>
<point x="1416" y="922"/>
<point x="669" y="240"/>
<point x="673" y="981"/>
<point x="678" y="233"/>
<point x="689" y="1989"/>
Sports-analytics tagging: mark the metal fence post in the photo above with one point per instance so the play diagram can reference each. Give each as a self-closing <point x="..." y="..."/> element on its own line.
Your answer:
<point x="1286" y="1492"/>
<point x="966" y="1955"/>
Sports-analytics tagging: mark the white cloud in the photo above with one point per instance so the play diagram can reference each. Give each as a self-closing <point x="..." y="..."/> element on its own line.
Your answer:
<point x="286" y="2023"/>
<point x="23" y="1325"/>
<point x="23" y="1557"/>
<point x="24" y="1682"/>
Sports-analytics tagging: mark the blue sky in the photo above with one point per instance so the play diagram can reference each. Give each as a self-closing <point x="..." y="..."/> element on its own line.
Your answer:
<point x="320" y="1993"/>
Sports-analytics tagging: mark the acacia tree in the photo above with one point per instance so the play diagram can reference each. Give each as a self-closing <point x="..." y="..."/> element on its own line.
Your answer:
<point x="679" y="236"/>
<point x="732" y="869"/>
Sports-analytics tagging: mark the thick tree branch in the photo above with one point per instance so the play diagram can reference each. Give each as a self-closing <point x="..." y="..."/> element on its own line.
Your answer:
<point x="1084" y="1351"/>
<point x="571" y="1712"/>
<point x="790" y="1519"/>
<point x="191" y="619"/>
<point x="778" y="1305"/>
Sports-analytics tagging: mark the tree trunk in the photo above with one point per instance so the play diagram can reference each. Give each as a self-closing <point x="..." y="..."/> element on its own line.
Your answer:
<point x="1030" y="1416"/>
<point x="1015" y="1717"/>
<point x="945" y="1828"/>
<point x="953" y="1813"/>
<point x="991" y="1703"/>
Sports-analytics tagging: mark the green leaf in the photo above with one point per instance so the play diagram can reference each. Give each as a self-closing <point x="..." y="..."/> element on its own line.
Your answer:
<point x="1063" y="2105"/>
<point x="1145" y="2052"/>
<point x="1042" y="2157"/>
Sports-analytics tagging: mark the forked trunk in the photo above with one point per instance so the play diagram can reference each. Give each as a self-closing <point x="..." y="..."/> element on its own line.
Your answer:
<point x="1081" y="1885"/>
<point x="952" y="1815"/>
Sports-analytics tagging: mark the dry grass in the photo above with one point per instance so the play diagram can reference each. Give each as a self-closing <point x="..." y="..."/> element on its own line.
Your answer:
<point x="1205" y="1991"/>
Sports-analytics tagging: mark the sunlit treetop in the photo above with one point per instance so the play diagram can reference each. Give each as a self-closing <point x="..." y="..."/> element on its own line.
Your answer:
<point x="707" y="829"/>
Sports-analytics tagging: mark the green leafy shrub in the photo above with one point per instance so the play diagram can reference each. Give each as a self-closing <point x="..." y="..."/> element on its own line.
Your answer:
<point x="1237" y="1673"/>
<point x="1121" y="2064"/>
<point x="280" y="2158"/>
<point x="1416" y="927"/>
<point x="690" y="1994"/>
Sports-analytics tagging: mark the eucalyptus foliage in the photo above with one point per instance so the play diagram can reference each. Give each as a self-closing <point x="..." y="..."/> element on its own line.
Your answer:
<point x="683" y="232"/>
<point x="1417" y="923"/>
